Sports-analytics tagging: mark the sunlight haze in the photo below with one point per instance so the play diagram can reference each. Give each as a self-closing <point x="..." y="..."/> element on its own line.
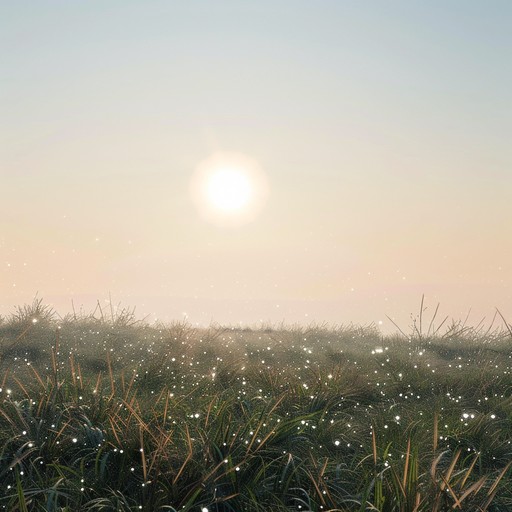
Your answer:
<point x="376" y="137"/>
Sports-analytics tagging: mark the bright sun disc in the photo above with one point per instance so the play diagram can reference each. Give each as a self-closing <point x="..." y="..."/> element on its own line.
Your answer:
<point x="229" y="189"/>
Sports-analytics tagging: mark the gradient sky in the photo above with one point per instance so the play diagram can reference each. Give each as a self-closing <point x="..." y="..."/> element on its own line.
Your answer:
<point x="383" y="128"/>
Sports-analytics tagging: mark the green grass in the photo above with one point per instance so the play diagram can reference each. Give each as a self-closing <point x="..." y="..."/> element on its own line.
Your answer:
<point x="102" y="412"/>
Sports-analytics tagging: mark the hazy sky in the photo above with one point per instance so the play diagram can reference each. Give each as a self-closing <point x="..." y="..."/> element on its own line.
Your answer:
<point x="383" y="130"/>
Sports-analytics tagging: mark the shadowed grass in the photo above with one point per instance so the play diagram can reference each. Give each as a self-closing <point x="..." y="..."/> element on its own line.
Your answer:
<point x="102" y="412"/>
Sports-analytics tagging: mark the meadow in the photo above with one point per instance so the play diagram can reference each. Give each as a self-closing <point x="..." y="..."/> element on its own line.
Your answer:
<point x="102" y="412"/>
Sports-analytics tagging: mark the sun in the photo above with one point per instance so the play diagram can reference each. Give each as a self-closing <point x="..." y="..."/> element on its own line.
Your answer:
<point x="229" y="189"/>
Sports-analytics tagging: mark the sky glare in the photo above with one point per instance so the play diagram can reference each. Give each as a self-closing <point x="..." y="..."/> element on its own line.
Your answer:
<point x="381" y="131"/>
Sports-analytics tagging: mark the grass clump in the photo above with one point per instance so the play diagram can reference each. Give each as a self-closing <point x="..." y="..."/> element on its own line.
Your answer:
<point x="103" y="412"/>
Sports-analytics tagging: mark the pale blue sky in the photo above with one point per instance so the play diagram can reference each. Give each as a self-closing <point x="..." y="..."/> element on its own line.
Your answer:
<point x="383" y="128"/>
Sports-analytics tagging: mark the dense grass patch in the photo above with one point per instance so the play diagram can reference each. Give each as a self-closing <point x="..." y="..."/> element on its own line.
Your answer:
<point x="107" y="413"/>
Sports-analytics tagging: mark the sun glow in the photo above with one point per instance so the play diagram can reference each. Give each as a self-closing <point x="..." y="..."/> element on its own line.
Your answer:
<point x="229" y="189"/>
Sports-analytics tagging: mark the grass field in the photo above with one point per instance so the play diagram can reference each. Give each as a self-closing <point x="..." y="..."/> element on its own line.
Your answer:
<point x="102" y="412"/>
